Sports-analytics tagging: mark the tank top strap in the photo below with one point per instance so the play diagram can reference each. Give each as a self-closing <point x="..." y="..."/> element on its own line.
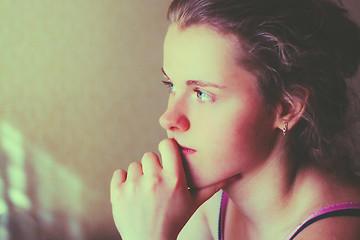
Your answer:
<point x="222" y="213"/>
<point x="337" y="210"/>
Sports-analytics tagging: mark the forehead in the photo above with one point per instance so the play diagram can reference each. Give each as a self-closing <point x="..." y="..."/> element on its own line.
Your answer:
<point x="200" y="43"/>
<point x="200" y="52"/>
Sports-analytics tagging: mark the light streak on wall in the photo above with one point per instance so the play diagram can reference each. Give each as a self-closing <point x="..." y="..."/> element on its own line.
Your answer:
<point x="39" y="198"/>
<point x="4" y="213"/>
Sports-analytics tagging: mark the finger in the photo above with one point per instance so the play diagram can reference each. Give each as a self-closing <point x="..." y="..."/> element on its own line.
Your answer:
<point x="150" y="164"/>
<point x="118" y="178"/>
<point x="171" y="158"/>
<point x="134" y="171"/>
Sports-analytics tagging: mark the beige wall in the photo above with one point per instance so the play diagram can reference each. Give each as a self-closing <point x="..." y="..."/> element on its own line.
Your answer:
<point x="80" y="96"/>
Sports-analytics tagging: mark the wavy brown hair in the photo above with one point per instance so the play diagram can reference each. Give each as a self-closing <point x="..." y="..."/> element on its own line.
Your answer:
<point x="292" y="45"/>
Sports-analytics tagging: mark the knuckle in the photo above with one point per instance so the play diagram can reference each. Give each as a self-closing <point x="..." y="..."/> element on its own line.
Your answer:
<point x="149" y="157"/>
<point x="153" y="183"/>
<point x="134" y="166"/>
<point x="135" y="171"/>
<point x="131" y="189"/>
<point x="121" y="175"/>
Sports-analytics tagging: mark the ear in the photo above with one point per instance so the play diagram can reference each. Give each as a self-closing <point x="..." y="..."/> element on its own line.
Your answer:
<point x="292" y="108"/>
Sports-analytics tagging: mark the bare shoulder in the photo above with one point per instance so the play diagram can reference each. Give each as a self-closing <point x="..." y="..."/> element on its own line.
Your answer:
<point x="203" y="224"/>
<point x="335" y="228"/>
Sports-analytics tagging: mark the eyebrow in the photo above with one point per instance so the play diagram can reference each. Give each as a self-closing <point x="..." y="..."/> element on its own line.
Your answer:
<point x="196" y="82"/>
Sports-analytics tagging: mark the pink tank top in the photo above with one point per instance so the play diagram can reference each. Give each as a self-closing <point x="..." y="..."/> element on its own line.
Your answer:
<point x="340" y="209"/>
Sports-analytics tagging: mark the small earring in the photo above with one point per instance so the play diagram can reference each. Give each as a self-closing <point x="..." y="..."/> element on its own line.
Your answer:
<point x="285" y="128"/>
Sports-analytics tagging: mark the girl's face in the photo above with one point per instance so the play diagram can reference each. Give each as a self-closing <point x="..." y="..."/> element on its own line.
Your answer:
<point x="214" y="112"/>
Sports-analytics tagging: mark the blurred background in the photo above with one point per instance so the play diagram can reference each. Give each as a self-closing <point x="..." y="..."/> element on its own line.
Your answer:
<point x="80" y="96"/>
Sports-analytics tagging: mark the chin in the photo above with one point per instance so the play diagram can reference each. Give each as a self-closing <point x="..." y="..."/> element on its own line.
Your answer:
<point x="199" y="183"/>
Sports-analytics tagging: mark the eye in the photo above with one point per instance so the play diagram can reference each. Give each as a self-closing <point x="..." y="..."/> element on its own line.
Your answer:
<point x="169" y="85"/>
<point x="204" y="96"/>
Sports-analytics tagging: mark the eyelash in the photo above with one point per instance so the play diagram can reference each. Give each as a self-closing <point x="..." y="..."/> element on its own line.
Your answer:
<point x="198" y="92"/>
<point x="169" y="85"/>
<point x="210" y="97"/>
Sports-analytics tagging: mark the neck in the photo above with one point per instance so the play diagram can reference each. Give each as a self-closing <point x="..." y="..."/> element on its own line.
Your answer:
<point x="260" y="196"/>
<point x="271" y="200"/>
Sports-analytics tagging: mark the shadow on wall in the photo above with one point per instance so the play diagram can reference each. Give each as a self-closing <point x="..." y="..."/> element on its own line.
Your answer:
<point x="38" y="197"/>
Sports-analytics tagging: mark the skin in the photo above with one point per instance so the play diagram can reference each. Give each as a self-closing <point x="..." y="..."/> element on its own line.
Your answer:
<point x="230" y="116"/>
<point x="221" y="136"/>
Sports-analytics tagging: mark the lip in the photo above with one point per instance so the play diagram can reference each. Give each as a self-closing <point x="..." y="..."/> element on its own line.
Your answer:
<point x="185" y="150"/>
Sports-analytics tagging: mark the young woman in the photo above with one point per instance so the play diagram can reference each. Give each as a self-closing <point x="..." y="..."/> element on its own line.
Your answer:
<point x="259" y="108"/>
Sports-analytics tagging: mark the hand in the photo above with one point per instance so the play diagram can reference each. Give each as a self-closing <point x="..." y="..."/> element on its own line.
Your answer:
<point x="151" y="201"/>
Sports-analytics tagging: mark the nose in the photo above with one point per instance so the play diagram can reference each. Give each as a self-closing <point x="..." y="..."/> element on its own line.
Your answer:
<point x="175" y="119"/>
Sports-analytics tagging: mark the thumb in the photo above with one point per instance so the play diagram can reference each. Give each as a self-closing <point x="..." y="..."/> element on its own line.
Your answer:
<point x="171" y="159"/>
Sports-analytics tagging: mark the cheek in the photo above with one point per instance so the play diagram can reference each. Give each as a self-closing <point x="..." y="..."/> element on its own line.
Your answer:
<point x="248" y="135"/>
<point x="228" y="147"/>
<point x="256" y="136"/>
<point x="224" y="127"/>
<point x="235" y="129"/>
